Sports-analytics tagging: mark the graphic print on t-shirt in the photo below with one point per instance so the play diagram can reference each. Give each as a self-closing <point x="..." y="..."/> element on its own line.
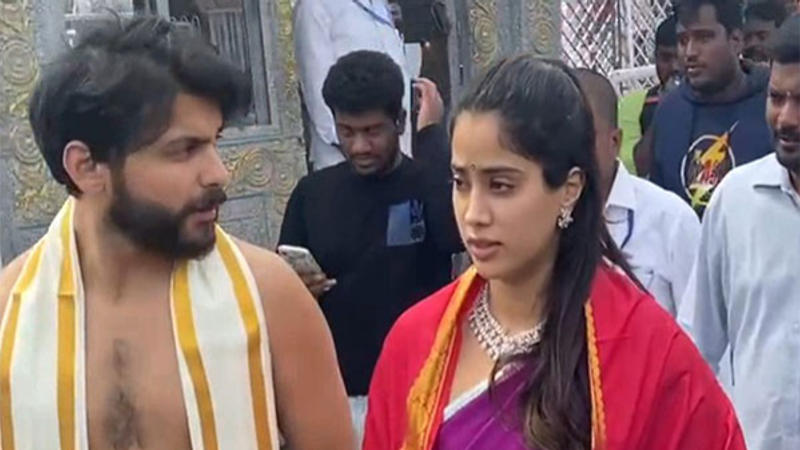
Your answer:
<point x="406" y="224"/>
<point x="708" y="160"/>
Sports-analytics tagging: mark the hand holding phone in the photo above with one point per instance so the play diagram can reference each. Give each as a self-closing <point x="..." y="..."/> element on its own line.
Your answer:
<point x="303" y="262"/>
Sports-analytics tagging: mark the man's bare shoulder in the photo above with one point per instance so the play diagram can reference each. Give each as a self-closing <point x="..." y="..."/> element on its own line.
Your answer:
<point x="276" y="280"/>
<point x="8" y="277"/>
<point x="310" y="396"/>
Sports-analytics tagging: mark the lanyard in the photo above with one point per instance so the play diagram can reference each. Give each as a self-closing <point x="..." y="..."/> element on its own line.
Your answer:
<point x="630" y="230"/>
<point x="374" y="14"/>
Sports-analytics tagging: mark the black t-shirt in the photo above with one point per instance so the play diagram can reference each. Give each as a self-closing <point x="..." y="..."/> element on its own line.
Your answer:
<point x="387" y="241"/>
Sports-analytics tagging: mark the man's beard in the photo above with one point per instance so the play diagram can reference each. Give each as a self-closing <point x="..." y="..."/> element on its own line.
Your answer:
<point x="152" y="227"/>
<point x="756" y="54"/>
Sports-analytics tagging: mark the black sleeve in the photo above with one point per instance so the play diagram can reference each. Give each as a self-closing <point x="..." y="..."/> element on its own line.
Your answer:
<point x="434" y="158"/>
<point x="432" y="150"/>
<point x="432" y="153"/>
<point x="293" y="228"/>
<point x="646" y="116"/>
<point x="441" y="220"/>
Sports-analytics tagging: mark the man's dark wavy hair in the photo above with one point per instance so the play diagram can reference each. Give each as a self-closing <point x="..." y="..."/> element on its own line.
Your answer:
<point x="114" y="91"/>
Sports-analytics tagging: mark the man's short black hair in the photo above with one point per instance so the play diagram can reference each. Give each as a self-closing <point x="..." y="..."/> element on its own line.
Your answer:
<point x="364" y="81"/>
<point x="115" y="90"/>
<point x="785" y="45"/>
<point x="666" y="34"/>
<point x="728" y="12"/>
<point x="601" y="95"/>
<point x="768" y="11"/>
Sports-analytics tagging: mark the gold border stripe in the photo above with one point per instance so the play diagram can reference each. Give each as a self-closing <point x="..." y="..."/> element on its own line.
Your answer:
<point x="187" y="338"/>
<point x="595" y="382"/>
<point x="7" y="347"/>
<point x="425" y="393"/>
<point x="66" y="338"/>
<point x="247" y="310"/>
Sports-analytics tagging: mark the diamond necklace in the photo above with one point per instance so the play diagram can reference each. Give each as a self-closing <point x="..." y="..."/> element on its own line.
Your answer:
<point x="494" y="338"/>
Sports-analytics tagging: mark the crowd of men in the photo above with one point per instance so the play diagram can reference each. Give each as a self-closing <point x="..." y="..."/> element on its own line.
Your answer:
<point x="707" y="116"/>
<point x="707" y="218"/>
<point x="713" y="111"/>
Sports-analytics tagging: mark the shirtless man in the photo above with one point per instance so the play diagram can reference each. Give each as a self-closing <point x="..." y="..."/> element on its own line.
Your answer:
<point x="161" y="331"/>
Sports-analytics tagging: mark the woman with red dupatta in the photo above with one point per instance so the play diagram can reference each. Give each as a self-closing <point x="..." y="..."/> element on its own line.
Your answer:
<point x="547" y="342"/>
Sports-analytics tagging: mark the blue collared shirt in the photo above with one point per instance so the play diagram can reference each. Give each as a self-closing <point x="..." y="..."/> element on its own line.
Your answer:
<point x="745" y="294"/>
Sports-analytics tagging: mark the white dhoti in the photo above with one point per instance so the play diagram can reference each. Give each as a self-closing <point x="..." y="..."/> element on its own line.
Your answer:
<point x="220" y="337"/>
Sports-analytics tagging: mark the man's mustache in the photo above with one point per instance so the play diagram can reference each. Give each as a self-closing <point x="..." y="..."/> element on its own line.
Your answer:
<point x="212" y="198"/>
<point x="788" y="134"/>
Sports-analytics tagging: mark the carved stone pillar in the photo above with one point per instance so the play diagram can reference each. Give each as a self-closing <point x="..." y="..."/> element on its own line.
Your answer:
<point x="487" y="30"/>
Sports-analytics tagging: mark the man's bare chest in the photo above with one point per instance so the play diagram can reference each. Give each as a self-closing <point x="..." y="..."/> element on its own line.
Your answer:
<point x="133" y="384"/>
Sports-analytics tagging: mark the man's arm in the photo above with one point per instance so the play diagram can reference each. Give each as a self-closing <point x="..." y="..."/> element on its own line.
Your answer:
<point x="703" y="310"/>
<point x="684" y="240"/>
<point x="432" y="145"/>
<point x="293" y="227"/>
<point x="312" y="406"/>
<point x="294" y="231"/>
<point x="643" y="152"/>
<point x="433" y="151"/>
<point x="438" y="197"/>
<point x="315" y="56"/>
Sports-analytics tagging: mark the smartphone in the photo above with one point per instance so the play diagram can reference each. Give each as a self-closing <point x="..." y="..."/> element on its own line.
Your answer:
<point x="300" y="258"/>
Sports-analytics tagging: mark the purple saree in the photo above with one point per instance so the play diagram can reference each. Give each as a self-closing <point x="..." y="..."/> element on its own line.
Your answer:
<point x="491" y="420"/>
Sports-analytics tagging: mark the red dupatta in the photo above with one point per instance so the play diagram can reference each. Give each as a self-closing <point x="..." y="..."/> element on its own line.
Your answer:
<point x="649" y="386"/>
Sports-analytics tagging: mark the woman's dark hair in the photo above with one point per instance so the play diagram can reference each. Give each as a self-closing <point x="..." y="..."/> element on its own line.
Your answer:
<point x="114" y="91"/>
<point x="785" y="45"/>
<point x="547" y="119"/>
<point x="364" y="81"/>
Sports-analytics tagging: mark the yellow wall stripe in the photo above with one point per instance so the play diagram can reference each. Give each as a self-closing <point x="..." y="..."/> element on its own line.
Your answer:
<point x="66" y="338"/>
<point x="187" y="339"/>
<point x="247" y="309"/>
<point x="7" y="347"/>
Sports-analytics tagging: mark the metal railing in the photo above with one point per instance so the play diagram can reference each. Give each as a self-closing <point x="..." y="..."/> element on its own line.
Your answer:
<point x="609" y="35"/>
<point x="627" y="80"/>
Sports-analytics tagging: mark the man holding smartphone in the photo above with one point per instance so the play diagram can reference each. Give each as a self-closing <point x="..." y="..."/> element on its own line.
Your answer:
<point x="380" y="224"/>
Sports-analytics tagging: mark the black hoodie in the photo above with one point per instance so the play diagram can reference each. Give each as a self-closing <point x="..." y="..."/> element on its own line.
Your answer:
<point x="698" y="142"/>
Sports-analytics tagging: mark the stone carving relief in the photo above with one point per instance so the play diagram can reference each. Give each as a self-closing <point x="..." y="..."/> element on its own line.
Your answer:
<point x="543" y="26"/>
<point x="270" y="168"/>
<point x="36" y="196"/>
<point x="291" y="111"/>
<point x="485" y="38"/>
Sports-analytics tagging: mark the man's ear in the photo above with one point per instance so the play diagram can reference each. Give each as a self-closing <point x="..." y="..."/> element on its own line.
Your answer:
<point x="616" y="140"/>
<point x="400" y="123"/>
<point x="82" y="169"/>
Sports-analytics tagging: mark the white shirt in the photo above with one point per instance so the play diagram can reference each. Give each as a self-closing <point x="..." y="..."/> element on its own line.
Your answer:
<point x="324" y="31"/>
<point x="745" y="295"/>
<point x="657" y="232"/>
